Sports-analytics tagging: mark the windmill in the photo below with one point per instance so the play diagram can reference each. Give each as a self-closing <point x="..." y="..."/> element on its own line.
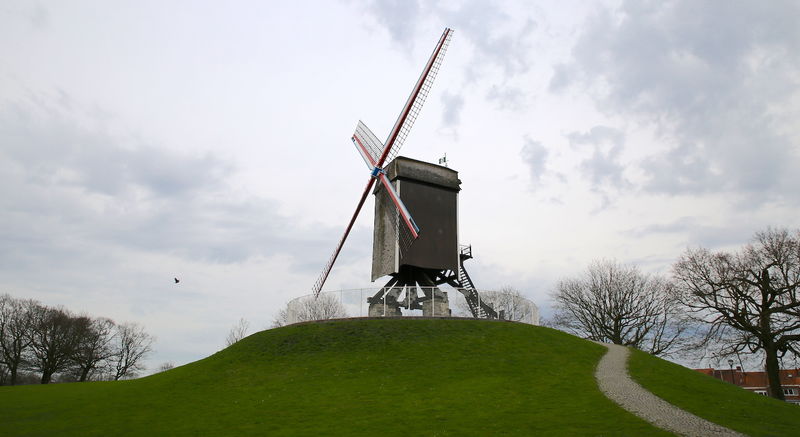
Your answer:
<point x="437" y="259"/>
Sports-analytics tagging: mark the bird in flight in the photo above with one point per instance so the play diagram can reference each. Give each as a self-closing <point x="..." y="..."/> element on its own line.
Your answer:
<point x="177" y="280"/>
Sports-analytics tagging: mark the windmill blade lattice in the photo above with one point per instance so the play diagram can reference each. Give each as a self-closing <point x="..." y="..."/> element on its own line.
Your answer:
<point x="329" y="265"/>
<point x="368" y="145"/>
<point x="376" y="154"/>
<point x="417" y="98"/>
<point x="400" y="208"/>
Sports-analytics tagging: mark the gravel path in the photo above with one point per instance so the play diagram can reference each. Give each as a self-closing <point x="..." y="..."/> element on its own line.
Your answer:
<point x="612" y="377"/>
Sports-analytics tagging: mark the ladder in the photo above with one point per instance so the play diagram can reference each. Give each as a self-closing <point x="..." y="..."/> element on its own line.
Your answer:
<point x="479" y="308"/>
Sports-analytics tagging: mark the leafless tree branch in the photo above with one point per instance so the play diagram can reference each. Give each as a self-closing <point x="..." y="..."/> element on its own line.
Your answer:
<point x="748" y="300"/>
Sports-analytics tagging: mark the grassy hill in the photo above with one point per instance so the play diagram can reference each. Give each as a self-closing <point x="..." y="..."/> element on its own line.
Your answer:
<point x="355" y="377"/>
<point x="713" y="399"/>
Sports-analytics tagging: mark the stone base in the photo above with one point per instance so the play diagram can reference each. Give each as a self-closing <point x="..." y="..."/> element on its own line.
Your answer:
<point x="438" y="308"/>
<point x="377" y="310"/>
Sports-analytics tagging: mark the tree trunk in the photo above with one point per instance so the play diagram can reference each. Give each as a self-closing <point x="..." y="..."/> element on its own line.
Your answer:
<point x="773" y="372"/>
<point x="84" y="374"/>
<point x="13" y="372"/>
<point x="46" y="377"/>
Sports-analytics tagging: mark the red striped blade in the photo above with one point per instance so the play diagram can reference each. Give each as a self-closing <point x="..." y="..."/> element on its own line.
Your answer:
<point x="415" y="101"/>
<point x="368" y="145"/>
<point x="405" y="216"/>
<point x="326" y="271"/>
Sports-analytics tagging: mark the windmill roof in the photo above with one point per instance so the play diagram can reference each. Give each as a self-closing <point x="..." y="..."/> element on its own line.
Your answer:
<point x="425" y="172"/>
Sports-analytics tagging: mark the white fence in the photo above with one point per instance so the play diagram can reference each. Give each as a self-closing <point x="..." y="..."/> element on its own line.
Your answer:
<point x="446" y="302"/>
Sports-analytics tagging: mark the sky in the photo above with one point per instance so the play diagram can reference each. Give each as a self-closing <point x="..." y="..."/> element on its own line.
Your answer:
<point x="210" y="141"/>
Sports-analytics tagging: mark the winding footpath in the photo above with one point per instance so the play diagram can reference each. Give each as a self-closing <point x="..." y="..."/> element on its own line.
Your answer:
<point x="614" y="381"/>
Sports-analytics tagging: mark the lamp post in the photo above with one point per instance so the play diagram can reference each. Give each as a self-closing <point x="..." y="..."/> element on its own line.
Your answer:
<point x="730" y="364"/>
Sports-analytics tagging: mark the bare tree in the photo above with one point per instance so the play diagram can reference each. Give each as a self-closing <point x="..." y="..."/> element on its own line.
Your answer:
<point x="54" y="335"/>
<point x="749" y="300"/>
<point x="307" y="308"/>
<point x="238" y="332"/>
<point x="94" y="346"/>
<point x="507" y="299"/>
<point x="15" y="338"/>
<point x="132" y="345"/>
<point x="167" y="365"/>
<point x="511" y="302"/>
<point x="618" y="304"/>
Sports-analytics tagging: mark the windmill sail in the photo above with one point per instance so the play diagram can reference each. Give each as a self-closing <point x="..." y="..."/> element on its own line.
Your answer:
<point x="413" y="105"/>
<point x="376" y="154"/>
<point x="404" y="234"/>
<point x="329" y="265"/>
<point x="368" y="145"/>
<point x="405" y="216"/>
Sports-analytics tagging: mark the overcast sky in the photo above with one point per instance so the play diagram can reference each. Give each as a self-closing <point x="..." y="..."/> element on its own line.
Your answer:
<point x="145" y="140"/>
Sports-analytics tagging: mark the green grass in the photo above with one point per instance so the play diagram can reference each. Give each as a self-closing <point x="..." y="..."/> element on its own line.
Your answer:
<point x="359" y="377"/>
<point x="714" y="400"/>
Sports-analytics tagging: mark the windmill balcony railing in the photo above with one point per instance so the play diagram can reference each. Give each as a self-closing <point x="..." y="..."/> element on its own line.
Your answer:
<point x="387" y="302"/>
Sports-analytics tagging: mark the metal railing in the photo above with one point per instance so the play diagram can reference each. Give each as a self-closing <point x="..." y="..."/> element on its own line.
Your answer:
<point x="407" y="302"/>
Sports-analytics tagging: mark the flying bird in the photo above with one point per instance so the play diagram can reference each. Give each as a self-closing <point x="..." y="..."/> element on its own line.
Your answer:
<point x="177" y="280"/>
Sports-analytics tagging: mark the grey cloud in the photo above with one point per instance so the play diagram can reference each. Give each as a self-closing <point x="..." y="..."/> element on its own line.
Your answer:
<point x="603" y="167"/>
<point x="39" y="16"/>
<point x="680" y="226"/>
<point x="719" y="79"/>
<point x="692" y="231"/>
<point x="596" y="136"/>
<point x="501" y="44"/>
<point x="485" y="24"/>
<point x="398" y="16"/>
<point x="507" y="97"/>
<point x="534" y="154"/>
<point x="33" y="13"/>
<point x="497" y="41"/>
<point x="561" y="78"/>
<point x="53" y="151"/>
<point x="453" y="105"/>
<point x="74" y="186"/>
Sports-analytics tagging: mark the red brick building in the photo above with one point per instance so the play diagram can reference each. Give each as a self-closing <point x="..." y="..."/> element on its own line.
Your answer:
<point x="757" y="381"/>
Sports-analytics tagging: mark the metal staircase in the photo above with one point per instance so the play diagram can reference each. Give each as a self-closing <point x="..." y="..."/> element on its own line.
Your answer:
<point x="479" y="309"/>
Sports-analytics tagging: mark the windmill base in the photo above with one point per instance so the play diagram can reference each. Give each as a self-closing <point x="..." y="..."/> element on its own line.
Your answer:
<point x="402" y="291"/>
<point x="381" y="310"/>
<point x="438" y="308"/>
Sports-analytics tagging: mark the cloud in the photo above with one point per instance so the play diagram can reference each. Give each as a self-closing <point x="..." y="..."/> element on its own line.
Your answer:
<point x="74" y="184"/>
<point x="603" y="168"/>
<point x="453" y="105"/>
<point x="55" y="152"/>
<point x="39" y="16"/>
<point x="501" y="42"/>
<point x="718" y="80"/>
<point x="399" y="17"/>
<point x="534" y="154"/>
<point x="694" y="231"/>
<point x="507" y="97"/>
<point x="500" y="39"/>
<point x="34" y="13"/>
<point x="562" y="77"/>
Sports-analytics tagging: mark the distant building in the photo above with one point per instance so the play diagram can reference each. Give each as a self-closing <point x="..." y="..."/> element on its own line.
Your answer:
<point x="757" y="381"/>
